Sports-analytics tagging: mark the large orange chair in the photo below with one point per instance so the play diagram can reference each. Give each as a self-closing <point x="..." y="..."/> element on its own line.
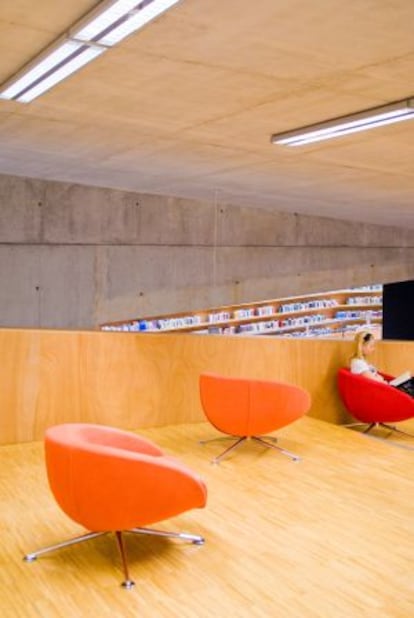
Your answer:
<point x="247" y="409"/>
<point x="109" y="480"/>
<point x="372" y="403"/>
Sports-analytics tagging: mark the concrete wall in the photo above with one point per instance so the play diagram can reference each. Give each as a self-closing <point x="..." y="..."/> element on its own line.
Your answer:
<point x="73" y="256"/>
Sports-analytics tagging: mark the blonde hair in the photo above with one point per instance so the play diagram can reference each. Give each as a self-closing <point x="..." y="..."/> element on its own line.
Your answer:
<point x="360" y="340"/>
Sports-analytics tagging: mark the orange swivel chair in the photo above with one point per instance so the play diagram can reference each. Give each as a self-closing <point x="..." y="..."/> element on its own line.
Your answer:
<point x="109" y="480"/>
<point x="246" y="409"/>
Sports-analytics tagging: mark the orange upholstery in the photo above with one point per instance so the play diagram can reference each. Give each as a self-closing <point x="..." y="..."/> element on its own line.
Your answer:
<point x="248" y="408"/>
<point x="107" y="479"/>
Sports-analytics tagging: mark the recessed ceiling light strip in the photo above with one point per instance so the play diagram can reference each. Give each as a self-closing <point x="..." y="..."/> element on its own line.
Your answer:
<point x="309" y="140"/>
<point x="42" y="68"/>
<point x="361" y="121"/>
<point x="136" y="20"/>
<point x="107" y="25"/>
<point x="86" y="55"/>
<point x="375" y="120"/>
<point x="119" y="20"/>
<point x="92" y="27"/>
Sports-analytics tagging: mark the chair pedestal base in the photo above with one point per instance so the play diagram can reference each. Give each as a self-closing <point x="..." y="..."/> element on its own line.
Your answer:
<point x="265" y="442"/>
<point x="393" y="428"/>
<point x="196" y="539"/>
<point x="128" y="583"/>
<point x="369" y="426"/>
<point x="268" y="441"/>
<point x="78" y="539"/>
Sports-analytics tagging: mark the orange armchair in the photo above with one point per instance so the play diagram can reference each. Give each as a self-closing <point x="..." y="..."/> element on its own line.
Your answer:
<point x="109" y="480"/>
<point x="246" y="409"/>
<point x="374" y="403"/>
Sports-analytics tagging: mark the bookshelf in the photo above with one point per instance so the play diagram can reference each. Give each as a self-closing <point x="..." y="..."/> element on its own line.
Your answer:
<point x="324" y="314"/>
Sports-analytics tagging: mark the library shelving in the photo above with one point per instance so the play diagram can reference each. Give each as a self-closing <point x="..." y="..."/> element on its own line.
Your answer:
<point x="323" y="314"/>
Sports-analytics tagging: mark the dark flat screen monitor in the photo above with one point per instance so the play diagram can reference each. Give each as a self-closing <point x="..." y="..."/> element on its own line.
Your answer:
<point x="398" y="310"/>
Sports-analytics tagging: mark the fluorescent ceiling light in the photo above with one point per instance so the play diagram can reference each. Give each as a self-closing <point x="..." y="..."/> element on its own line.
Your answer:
<point x="104" y="19"/>
<point x="361" y="121"/>
<point x="103" y="27"/>
<point x="41" y="68"/>
<point x="121" y="19"/>
<point x="85" y="56"/>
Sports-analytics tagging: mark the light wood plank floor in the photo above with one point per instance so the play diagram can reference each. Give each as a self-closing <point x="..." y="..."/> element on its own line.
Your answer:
<point x="328" y="537"/>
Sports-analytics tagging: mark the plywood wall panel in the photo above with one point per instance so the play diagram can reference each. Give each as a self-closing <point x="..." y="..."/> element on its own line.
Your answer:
<point x="143" y="380"/>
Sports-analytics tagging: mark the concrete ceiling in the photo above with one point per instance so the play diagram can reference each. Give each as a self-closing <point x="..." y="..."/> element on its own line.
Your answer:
<point x="186" y="106"/>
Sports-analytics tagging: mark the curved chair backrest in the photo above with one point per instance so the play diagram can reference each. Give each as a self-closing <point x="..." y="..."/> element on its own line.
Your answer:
<point x="108" y="479"/>
<point x="247" y="407"/>
<point x="370" y="401"/>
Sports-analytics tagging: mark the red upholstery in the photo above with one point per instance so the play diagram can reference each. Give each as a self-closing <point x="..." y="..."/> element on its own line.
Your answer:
<point x="247" y="407"/>
<point x="107" y="479"/>
<point x="370" y="401"/>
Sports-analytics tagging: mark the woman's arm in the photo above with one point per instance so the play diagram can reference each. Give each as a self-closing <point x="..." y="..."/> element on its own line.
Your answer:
<point x="361" y="367"/>
<point x="374" y="376"/>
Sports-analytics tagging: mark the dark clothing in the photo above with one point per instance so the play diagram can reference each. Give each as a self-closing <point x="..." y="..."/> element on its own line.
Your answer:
<point x="407" y="387"/>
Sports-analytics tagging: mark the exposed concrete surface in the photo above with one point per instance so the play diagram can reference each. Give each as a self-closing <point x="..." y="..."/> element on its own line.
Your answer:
<point x="73" y="256"/>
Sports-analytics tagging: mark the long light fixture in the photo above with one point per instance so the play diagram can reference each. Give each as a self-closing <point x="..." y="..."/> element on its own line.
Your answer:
<point x="344" y="125"/>
<point x="108" y="24"/>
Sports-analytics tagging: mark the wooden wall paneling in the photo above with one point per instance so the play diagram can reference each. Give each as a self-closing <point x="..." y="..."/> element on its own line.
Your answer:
<point x="148" y="380"/>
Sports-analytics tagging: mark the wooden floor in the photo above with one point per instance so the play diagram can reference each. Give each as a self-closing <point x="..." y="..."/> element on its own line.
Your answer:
<point x="328" y="537"/>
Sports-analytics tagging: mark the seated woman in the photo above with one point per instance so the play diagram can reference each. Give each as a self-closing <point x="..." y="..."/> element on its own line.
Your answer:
<point x="364" y="347"/>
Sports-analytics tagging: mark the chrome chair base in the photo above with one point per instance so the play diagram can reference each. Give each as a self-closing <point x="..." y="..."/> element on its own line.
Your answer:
<point x="128" y="583"/>
<point x="196" y="539"/>
<point x="217" y="439"/>
<point x="264" y="440"/>
<point x="396" y="429"/>
<point x="79" y="539"/>
<point x="369" y="426"/>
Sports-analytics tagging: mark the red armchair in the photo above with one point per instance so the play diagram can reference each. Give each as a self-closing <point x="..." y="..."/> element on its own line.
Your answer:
<point x="109" y="480"/>
<point x="374" y="403"/>
<point x="246" y="409"/>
